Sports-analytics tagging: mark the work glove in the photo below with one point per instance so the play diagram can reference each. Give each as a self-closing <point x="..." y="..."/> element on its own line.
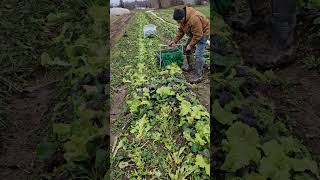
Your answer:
<point x="172" y="44"/>
<point x="189" y="52"/>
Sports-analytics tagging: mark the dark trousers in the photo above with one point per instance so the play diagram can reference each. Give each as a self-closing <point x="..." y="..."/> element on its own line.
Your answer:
<point x="283" y="19"/>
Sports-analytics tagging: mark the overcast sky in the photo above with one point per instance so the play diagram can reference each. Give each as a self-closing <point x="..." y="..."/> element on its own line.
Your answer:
<point x="117" y="1"/>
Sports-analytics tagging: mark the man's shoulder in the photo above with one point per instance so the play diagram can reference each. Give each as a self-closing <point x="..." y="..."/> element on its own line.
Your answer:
<point x="195" y="17"/>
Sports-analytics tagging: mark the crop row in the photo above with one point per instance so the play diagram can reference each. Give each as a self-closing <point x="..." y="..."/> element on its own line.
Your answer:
<point x="168" y="135"/>
<point x="254" y="142"/>
<point x="78" y="146"/>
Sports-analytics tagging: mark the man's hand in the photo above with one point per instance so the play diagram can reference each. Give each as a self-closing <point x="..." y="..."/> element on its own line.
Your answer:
<point x="188" y="48"/>
<point x="172" y="44"/>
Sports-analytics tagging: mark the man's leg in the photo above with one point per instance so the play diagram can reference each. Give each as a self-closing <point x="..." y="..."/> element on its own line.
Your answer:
<point x="283" y="22"/>
<point x="259" y="10"/>
<point x="200" y="47"/>
<point x="187" y="60"/>
<point x="249" y="22"/>
<point x="283" y="25"/>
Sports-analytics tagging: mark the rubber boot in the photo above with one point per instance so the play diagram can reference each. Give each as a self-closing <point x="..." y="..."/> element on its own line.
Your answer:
<point x="191" y="62"/>
<point x="197" y="74"/>
<point x="188" y="64"/>
<point x="185" y="66"/>
<point x="283" y="25"/>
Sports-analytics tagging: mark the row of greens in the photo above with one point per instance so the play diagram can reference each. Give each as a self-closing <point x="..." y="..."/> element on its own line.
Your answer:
<point x="168" y="135"/>
<point x="253" y="141"/>
<point x="78" y="146"/>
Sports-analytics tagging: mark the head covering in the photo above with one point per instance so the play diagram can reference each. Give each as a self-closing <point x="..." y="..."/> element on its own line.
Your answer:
<point x="178" y="14"/>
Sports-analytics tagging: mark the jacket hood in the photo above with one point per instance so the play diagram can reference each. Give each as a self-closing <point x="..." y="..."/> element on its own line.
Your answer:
<point x="189" y="12"/>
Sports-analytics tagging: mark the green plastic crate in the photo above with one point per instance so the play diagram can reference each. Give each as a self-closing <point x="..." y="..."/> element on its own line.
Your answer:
<point x="168" y="56"/>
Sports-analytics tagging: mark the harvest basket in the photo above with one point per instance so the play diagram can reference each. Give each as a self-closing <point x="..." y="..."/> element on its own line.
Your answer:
<point x="167" y="55"/>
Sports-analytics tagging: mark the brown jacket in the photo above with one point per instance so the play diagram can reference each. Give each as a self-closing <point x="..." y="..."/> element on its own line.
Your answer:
<point x="196" y="25"/>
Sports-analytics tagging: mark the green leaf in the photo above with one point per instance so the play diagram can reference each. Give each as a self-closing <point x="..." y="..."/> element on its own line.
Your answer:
<point x="291" y="145"/>
<point x="199" y="111"/>
<point x="255" y="177"/>
<point x="203" y="127"/>
<point x="76" y="150"/>
<point x="305" y="164"/>
<point x="221" y="115"/>
<point x="303" y="177"/>
<point x="199" y="139"/>
<point x="186" y="135"/>
<point x="242" y="147"/>
<point x="85" y="114"/>
<point x="45" y="59"/>
<point x="101" y="160"/>
<point x="179" y="98"/>
<point x="195" y="147"/>
<point x="276" y="165"/>
<point x="62" y="130"/>
<point x="45" y="150"/>
<point x="165" y="90"/>
<point x="123" y="164"/>
<point x="185" y="107"/>
<point x="141" y="127"/>
<point x="134" y="104"/>
<point x="203" y="163"/>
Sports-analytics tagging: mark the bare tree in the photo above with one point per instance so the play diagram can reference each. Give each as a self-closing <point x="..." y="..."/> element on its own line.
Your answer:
<point x="121" y="4"/>
<point x="159" y="2"/>
<point x="198" y="2"/>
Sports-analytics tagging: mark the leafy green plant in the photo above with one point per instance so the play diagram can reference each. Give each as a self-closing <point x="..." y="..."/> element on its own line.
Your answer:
<point x="80" y="46"/>
<point x="242" y="146"/>
<point x="312" y="63"/>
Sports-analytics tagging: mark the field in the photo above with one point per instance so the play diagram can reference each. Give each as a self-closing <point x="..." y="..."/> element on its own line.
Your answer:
<point x="56" y="81"/>
<point x="161" y="129"/>
<point x="254" y="141"/>
<point x="258" y="115"/>
<point x="59" y="88"/>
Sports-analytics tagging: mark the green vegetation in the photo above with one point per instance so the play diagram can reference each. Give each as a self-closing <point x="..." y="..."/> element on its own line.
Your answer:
<point x="254" y="142"/>
<point x="20" y="48"/>
<point x="312" y="63"/>
<point x="79" y="119"/>
<point x="168" y="134"/>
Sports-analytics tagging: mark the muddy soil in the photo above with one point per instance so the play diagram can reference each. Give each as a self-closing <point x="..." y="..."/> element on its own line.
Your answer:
<point x="117" y="24"/>
<point x="117" y="101"/>
<point x="202" y="89"/>
<point x="28" y="125"/>
<point x="300" y="99"/>
<point x="118" y="97"/>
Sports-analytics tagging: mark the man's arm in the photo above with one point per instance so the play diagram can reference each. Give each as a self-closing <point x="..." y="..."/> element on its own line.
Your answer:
<point x="179" y="35"/>
<point x="196" y="30"/>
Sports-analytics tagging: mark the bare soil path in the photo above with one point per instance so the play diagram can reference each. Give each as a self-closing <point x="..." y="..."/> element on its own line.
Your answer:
<point x="304" y="98"/>
<point x="117" y="24"/>
<point x="202" y="89"/>
<point x="28" y="125"/>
